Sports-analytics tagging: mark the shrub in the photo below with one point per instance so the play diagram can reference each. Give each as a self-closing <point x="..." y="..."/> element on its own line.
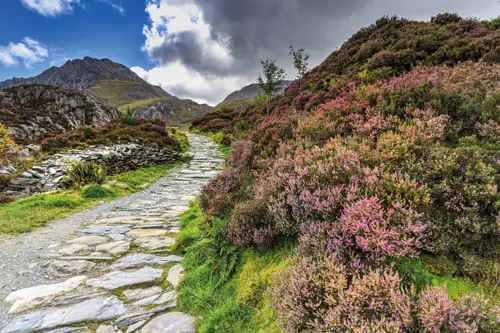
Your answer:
<point x="318" y="296"/>
<point x="84" y="173"/>
<point x="392" y="232"/>
<point x="446" y="18"/>
<point x="5" y="199"/>
<point x="95" y="191"/>
<point x="437" y="313"/>
<point x="251" y="222"/>
<point x="5" y="140"/>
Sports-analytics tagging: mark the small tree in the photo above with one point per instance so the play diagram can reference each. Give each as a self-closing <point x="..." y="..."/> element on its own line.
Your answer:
<point x="300" y="59"/>
<point x="271" y="83"/>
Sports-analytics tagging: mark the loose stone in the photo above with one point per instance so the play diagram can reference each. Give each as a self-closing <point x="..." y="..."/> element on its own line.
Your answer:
<point x="174" y="322"/>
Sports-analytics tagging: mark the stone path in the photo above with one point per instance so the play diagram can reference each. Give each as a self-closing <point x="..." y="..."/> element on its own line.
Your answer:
<point x="115" y="272"/>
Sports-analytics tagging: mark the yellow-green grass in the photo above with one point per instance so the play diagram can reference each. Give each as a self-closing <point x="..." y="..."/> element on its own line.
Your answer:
<point x="224" y="286"/>
<point x="113" y="91"/>
<point x="136" y="104"/>
<point x="38" y="210"/>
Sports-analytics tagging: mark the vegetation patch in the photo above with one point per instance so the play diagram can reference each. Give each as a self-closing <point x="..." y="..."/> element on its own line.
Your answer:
<point x="223" y="285"/>
<point x="114" y="92"/>
<point x="382" y="165"/>
<point x="125" y="130"/>
<point x="38" y="210"/>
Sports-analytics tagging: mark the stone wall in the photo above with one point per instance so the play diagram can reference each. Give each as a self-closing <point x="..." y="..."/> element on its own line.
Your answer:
<point x="47" y="176"/>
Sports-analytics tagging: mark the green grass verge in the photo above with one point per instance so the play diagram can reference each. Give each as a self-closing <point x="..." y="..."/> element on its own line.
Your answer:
<point x="36" y="211"/>
<point x="225" y="287"/>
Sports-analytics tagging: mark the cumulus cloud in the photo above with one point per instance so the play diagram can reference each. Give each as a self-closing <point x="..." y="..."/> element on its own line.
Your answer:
<point x="51" y="7"/>
<point x="222" y="41"/>
<point x="58" y="7"/>
<point x="29" y="52"/>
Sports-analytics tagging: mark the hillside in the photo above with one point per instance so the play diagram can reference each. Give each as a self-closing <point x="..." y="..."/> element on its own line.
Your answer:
<point x="250" y="91"/>
<point x="368" y="200"/>
<point x="109" y="82"/>
<point x="32" y="112"/>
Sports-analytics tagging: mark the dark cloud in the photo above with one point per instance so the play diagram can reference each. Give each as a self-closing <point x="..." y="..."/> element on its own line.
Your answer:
<point x="257" y="29"/>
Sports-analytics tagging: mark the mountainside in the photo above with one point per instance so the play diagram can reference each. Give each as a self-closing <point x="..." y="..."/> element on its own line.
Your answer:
<point x="368" y="199"/>
<point x="108" y="82"/>
<point x="249" y="91"/>
<point x="175" y="110"/>
<point x="32" y="112"/>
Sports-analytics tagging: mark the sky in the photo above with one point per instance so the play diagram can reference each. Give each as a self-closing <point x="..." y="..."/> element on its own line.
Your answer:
<point x="197" y="49"/>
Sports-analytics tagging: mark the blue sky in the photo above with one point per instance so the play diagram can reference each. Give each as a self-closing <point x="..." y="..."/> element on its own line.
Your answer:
<point x="97" y="30"/>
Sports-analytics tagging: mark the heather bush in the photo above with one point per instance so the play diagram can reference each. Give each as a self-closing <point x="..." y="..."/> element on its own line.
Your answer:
<point x="251" y="222"/>
<point x="437" y="313"/>
<point x="318" y="296"/>
<point x="222" y="192"/>
<point x="392" y="232"/>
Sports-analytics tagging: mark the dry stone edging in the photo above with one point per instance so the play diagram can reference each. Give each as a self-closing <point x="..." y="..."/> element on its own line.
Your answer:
<point x="105" y="243"/>
<point x="47" y="176"/>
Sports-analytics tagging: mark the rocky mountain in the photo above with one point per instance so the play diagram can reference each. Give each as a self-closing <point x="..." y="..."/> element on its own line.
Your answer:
<point x="32" y="112"/>
<point x="173" y="110"/>
<point x="107" y="82"/>
<point x="249" y="91"/>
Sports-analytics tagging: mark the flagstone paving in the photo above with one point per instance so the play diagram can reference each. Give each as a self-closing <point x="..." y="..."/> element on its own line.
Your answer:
<point x="104" y="267"/>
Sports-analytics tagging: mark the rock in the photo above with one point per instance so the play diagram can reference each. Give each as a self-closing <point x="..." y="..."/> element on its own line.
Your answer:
<point x="138" y="233"/>
<point x="117" y="237"/>
<point x="72" y="298"/>
<point x="94" y="256"/>
<point x="173" y="322"/>
<point x="105" y="230"/>
<point x="75" y="249"/>
<point x="175" y="275"/>
<point x="88" y="240"/>
<point x="68" y="329"/>
<point x="154" y="243"/>
<point x="137" y="294"/>
<point x="169" y="297"/>
<point x="134" y="317"/>
<point x="115" y="248"/>
<point x="29" y="298"/>
<point x="135" y="327"/>
<point x="97" y="309"/>
<point x="61" y="268"/>
<point x="120" y="279"/>
<point x="137" y="260"/>
<point x="106" y="329"/>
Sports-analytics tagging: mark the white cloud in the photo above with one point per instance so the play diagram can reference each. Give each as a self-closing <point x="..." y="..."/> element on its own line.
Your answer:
<point x="51" y="7"/>
<point x="119" y="8"/>
<point x="184" y="82"/>
<point x="170" y="22"/>
<point x="59" y="7"/>
<point x="29" y="52"/>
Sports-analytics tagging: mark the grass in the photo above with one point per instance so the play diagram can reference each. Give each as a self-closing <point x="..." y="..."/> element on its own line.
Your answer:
<point x="37" y="211"/>
<point x="113" y="91"/>
<point x="225" y="287"/>
<point x="136" y="104"/>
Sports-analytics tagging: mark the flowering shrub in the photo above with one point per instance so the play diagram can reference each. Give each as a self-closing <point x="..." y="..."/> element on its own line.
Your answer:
<point x="393" y="232"/>
<point x="437" y="313"/>
<point x="318" y="296"/>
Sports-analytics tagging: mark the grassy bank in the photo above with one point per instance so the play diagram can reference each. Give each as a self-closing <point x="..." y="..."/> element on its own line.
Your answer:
<point x="224" y="286"/>
<point x="38" y="210"/>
